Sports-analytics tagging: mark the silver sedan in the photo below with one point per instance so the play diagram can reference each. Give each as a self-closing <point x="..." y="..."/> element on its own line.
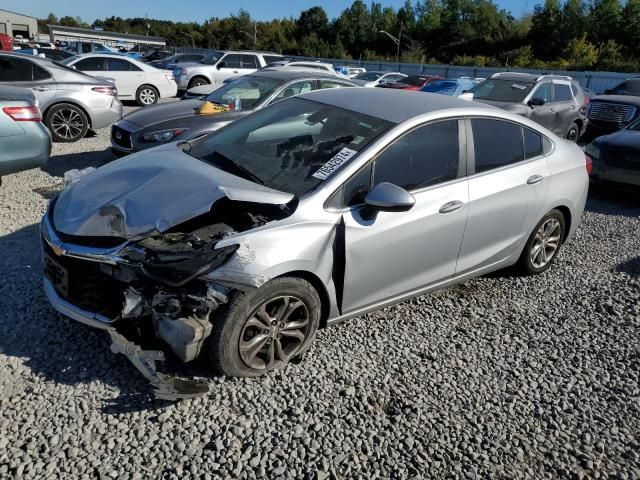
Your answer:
<point x="314" y="210"/>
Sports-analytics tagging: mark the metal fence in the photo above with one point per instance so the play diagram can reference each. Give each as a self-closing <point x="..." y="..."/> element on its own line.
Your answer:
<point x="596" y="81"/>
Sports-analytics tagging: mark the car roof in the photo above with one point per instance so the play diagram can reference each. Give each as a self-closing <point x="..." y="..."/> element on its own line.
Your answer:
<point x="388" y="104"/>
<point x="294" y="73"/>
<point x="28" y="57"/>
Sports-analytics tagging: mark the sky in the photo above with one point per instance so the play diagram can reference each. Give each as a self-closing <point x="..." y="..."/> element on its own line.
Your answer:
<point x="200" y="10"/>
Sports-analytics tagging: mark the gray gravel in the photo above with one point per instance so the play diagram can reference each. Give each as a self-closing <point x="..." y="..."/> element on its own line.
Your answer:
<point x="503" y="377"/>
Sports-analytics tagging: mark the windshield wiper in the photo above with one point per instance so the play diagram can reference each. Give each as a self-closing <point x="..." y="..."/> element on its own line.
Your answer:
<point x="239" y="168"/>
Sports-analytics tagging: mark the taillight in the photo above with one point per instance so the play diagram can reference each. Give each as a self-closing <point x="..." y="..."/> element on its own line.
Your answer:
<point x="588" y="164"/>
<point x="23" y="114"/>
<point x="113" y="91"/>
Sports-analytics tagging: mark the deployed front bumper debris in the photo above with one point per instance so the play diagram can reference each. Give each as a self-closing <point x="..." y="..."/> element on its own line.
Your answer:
<point x="165" y="386"/>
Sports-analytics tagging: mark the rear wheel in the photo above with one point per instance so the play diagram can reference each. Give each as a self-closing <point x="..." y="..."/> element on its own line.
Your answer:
<point x="573" y="133"/>
<point x="263" y="330"/>
<point x="147" y="95"/>
<point x="66" y="122"/>
<point x="197" y="82"/>
<point x="543" y="244"/>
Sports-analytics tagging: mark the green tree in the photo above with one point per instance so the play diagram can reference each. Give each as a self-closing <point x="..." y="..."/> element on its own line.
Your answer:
<point x="546" y="24"/>
<point x="605" y="20"/>
<point x="580" y="53"/>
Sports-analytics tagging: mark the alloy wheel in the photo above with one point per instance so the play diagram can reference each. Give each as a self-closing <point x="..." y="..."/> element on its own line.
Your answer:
<point x="67" y="123"/>
<point x="546" y="243"/>
<point x="147" y="96"/>
<point x="572" y="134"/>
<point x="274" y="333"/>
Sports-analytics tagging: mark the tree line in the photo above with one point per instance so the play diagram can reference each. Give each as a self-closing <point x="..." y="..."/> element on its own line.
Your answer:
<point x="558" y="34"/>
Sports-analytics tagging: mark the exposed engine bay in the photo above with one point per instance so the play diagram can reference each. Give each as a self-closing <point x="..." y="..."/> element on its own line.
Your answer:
<point x="152" y="284"/>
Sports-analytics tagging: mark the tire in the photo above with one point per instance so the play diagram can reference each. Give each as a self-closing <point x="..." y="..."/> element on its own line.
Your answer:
<point x="66" y="122"/>
<point x="539" y="243"/>
<point x="239" y="322"/>
<point x="147" y="95"/>
<point x="197" y="81"/>
<point x="573" y="132"/>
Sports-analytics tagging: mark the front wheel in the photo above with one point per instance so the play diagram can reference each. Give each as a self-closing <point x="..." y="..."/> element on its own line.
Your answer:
<point x="573" y="133"/>
<point x="263" y="330"/>
<point x="147" y="95"/>
<point x="543" y="244"/>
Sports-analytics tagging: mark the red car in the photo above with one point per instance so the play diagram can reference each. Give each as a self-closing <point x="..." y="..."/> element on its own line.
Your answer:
<point x="6" y="44"/>
<point x="412" y="82"/>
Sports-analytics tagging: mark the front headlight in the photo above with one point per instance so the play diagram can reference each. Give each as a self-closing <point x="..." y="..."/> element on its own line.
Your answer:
<point x="592" y="151"/>
<point x="162" y="136"/>
<point x="177" y="72"/>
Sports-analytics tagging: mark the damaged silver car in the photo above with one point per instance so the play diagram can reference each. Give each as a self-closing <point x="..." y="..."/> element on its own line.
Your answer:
<point x="241" y="244"/>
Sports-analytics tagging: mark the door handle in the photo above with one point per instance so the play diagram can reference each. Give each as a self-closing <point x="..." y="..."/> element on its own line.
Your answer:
<point x="551" y="110"/>
<point x="235" y="71"/>
<point x="451" y="206"/>
<point x="533" y="179"/>
<point x="41" y="89"/>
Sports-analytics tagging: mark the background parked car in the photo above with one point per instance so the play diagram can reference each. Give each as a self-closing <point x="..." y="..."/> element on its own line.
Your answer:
<point x="218" y="65"/>
<point x="79" y="48"/>
<point x="6" y="43"/>
<point x="71" y="101"/>
<point x="171" y="61"/>
<point x="25" y="142"/>
<point x="452" y="87"/>
<point x="168" y="122"/>
<point x="155" y="55"/>
<point x="373" y="79"/>
<point x="617" y="108"/>
<point x="555" y="102"/>
<point x="51" y="53"/>
<point x="350" y="72"/>
<point x="411" y="82"/>
<point x="616" y="157"/>
<point x="325" y="67"/>
<point x="135" y="80"/>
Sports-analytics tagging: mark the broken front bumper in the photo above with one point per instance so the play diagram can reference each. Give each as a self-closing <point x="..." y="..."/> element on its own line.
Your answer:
<point x="165" y="386"/>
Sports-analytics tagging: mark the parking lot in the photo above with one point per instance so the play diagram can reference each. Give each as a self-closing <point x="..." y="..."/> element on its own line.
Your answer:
<point x="504" y="376"/>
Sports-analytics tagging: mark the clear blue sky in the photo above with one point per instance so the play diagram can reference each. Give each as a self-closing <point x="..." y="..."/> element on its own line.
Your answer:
<point x="200" y="10"/>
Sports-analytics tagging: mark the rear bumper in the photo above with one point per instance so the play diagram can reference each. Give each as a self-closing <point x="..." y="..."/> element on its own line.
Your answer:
<point x="103" y="117"/>
<point x="168" y="89"/>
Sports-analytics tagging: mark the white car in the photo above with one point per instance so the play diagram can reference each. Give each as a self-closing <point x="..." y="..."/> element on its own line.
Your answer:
<point x="324" y="67"/>
<point x="373" y="79"/>
<point x="134" y="80"/>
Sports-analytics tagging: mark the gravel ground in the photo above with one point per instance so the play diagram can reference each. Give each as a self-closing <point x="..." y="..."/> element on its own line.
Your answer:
<point x="502" y="377"/>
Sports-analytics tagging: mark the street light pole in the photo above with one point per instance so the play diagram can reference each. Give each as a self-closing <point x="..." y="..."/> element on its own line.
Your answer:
<point x="397" y="40"/>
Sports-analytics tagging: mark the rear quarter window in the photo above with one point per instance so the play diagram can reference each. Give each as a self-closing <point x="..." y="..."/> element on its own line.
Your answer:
<point x="497" y="143"/>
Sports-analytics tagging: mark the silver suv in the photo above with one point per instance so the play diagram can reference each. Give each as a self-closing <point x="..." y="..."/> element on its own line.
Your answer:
<point x="71" y="102"/>
<point x="219" y="65"/>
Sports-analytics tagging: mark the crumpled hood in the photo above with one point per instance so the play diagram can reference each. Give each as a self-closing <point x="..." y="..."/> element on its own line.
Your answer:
<point x="150" y="191"/>
<point x="180" y="115"/>
<point x="165" y="111"/>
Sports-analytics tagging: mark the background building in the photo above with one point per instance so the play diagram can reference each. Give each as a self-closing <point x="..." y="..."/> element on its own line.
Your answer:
<point x="112" y="39"/>
<point x="16" y="24"/>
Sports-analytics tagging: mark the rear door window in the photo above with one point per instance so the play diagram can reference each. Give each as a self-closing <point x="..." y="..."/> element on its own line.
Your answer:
<point x="268" y="59"/>
<point x="40" y="73"/>
<point x="118" y="65"/>
<point x="15" y="70"/>
<point x="90" y="65"/>
<point x="496" y="143"/>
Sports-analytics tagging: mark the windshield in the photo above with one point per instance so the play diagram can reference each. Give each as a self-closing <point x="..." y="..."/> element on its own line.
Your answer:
<point x="211" y="58"/>
<point x="251" y="90"/>
<point x="501" y="90"/>
<point x="291" y="146"/>
<point x="626" y="88"/>
<point x="441" y="87"/>
<point x="368" y="76"/>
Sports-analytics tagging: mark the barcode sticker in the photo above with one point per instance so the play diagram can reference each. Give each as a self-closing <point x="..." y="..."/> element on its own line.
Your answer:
<point x="332" y="165"/>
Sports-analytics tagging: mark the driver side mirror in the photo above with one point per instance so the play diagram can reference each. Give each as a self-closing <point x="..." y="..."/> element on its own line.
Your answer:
<point x="536" y="102"/>
<point x="221" y="65"/>
<point x="389" y="198"/>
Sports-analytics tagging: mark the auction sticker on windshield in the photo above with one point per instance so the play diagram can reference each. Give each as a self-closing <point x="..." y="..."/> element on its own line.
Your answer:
<point x="332" y="165"/>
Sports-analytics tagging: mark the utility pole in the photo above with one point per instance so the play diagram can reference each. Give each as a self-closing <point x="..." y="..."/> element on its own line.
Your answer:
<point x="253" y="37"/>
<point x="397" y="40"/>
